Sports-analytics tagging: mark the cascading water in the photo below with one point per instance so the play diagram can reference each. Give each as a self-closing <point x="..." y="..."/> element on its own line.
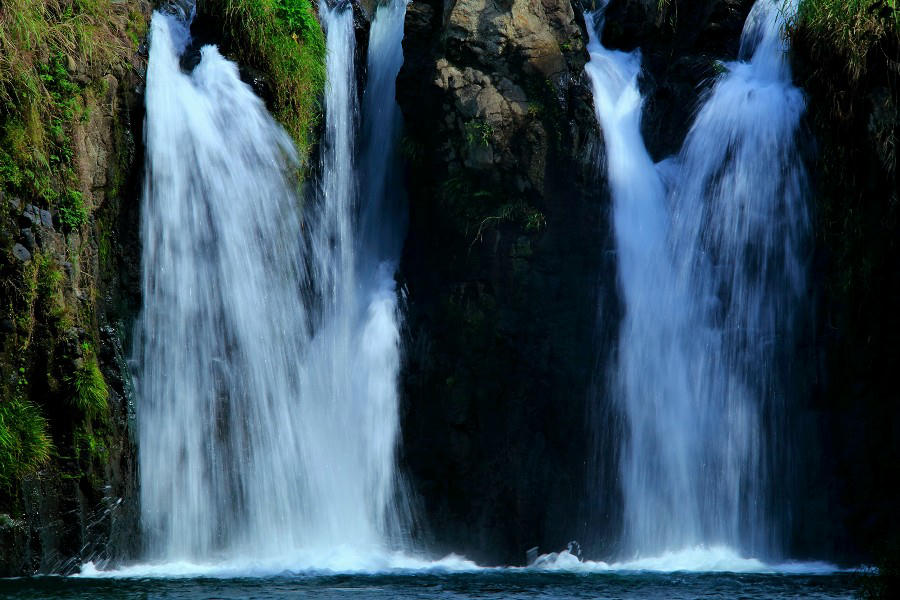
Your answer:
<point x="380" y="174"/>
<point x="710" y="252"/>
<point x="267" y="367"/>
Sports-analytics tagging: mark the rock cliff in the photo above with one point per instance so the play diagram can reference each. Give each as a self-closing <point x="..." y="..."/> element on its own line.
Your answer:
<point x="502" y="269"/>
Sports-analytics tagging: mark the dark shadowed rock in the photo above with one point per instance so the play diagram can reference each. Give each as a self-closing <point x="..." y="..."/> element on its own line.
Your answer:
<point x="28" y="239"/>
<point x="504" y="265"/>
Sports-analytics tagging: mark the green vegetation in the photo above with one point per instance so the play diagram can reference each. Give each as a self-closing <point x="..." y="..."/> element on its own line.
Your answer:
<point x="72" y="211"/>
<point x="283" y="39"/>
<point x="531" y="219"/>
<point x="49" y="293"/>
<point x="479" y="133"/>
<point x="41" y="43"/>
<point x="472" y="210"/>
<point x="89" y="391"/>
<point x="843" y="49"/>
<point x="24" y="441"/>
<point x="55" y="56"/>
<point x="853" y="28"/>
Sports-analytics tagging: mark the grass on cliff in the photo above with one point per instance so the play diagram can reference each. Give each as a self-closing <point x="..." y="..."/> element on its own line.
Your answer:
<point x="848" y="52"/>
<point x="853" y="28"/>
<point x="89" y="391"/>
<point x="24" y="439"/>
<point x="283" y="40"/>
<point x="49" y="49"/>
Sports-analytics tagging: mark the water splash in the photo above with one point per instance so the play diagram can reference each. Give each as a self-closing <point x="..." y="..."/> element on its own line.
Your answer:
<point x="269" y="348"/>
<point x="711" y="262"/>
<point x="699" y="559"/>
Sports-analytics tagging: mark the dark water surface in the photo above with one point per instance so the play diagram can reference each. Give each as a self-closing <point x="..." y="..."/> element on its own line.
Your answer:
<point x="494" y="584"/>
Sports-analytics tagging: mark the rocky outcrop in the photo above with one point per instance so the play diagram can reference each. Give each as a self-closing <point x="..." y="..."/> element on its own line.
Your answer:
<point x="69" y="290"/>
<point x="505" y="263"/>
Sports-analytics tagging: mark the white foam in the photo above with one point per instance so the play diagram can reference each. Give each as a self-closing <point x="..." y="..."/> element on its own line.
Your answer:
<point x="343" y="560"/>
<point x="699" y="559"/>
<point x="340" y="561"/>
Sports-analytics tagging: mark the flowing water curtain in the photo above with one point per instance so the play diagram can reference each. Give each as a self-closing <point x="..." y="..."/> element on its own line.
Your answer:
<point x="743" y="192"/>
<point x="268" y="358"/>
<point x="712" y="272"/>
<point x="221" y="325"/>
<point x="382" y="231"/>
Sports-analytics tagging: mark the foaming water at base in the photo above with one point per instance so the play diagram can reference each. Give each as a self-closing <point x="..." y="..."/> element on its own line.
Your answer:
<point x="355" y="561"/>
<point x="341" y="560"/>
<point x="698" y="559"/>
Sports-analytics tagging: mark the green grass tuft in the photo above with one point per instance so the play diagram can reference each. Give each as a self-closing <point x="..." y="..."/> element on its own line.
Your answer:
<point x="90" y="393"/>
<point x="24" y="439"/>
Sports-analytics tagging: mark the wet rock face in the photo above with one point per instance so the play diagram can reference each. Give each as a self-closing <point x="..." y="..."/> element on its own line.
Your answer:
<point x="505" y="263"/>
<point x="681" y="44"/>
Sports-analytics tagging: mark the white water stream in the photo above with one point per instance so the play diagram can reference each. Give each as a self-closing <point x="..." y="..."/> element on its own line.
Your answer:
<point x="711" y="261"/>
<point x="269" y="340"/>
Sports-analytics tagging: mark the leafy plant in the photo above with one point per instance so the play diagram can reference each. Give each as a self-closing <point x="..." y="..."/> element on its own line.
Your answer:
<point x="531" y="219"/>
<point x="298" y="16"/>
<point x="479" y="132"/>
<point x="72" y="211"/>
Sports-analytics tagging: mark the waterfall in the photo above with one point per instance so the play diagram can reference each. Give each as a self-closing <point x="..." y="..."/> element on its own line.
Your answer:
<point x="711" y="259"/>
<point x="268" y="353"/>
